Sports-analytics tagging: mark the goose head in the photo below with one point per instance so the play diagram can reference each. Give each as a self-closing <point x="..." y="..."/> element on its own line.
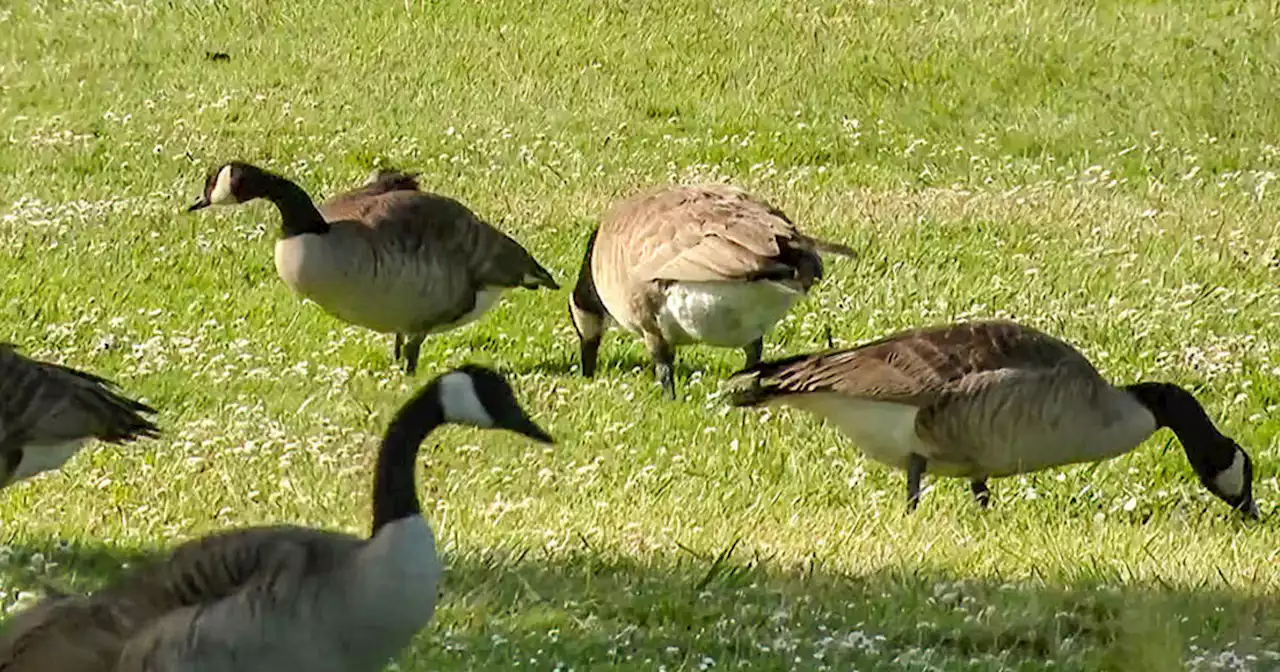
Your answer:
<point x="1232" y="481"/>
<point x="232" y="183"/>
<point x="1223" y="467"/>
<point x="479" y="397"/>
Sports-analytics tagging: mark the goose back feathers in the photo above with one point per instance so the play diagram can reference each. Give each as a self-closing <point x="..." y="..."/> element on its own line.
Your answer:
<point x="48" y="412"/>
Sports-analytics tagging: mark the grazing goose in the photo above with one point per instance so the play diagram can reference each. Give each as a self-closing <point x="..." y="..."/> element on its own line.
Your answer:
<point x="991" y="399"/>
<point x="385" y="256"/>
<point x="692" y="264"/>
<point x="278" y="598"/>
<point x="48" y="412"/>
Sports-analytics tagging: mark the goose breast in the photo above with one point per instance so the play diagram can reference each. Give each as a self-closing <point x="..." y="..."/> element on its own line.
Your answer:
<point x="372" y="281"/>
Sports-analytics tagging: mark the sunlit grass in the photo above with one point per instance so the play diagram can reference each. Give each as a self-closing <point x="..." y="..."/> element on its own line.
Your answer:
<point x="1104" y="173"/>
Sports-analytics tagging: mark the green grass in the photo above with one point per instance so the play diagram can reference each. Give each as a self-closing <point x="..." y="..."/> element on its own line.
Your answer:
<point x="1099" y="170"/>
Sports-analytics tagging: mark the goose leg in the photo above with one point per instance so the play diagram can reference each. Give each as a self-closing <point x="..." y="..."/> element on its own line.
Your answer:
<point x="589" y="351"/>
<point x="664" y="361"/>
<point x="981" y="494"/>
<point x="753" y="351"/>
<point x="412" y="347"/>
<point x="915" y="470"/>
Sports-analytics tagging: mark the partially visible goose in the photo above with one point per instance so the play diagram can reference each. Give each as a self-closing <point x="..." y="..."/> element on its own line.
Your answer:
<point x="278" y="598"/>
<point x="385" y="256"/>
<point x="48" y="412"/>
<point x="692" y="264"/>
<point x="991" y="399"/>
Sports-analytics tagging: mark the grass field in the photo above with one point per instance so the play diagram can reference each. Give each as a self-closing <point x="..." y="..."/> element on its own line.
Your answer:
<point x="1099" y="170"/>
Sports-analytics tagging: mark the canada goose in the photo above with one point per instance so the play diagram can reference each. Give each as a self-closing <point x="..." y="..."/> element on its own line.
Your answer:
<point x="385" y="256"/>
<point x="48" y="412"/>
<point x="278" y="598"/>
<point x="688" y="264"/>
<point x="991" y="399"/>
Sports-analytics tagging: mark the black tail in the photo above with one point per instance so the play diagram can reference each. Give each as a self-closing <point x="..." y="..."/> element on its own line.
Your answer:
<point x="538" y="277"/>
<point x="758" y="383"/>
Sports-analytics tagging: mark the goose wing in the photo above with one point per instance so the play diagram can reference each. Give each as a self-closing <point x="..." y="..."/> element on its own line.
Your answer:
<point x="352" y="204"/>
<point x="68" y="633"/>
<point x="706" y="233"/>
<point x="216" y="566"/>
<point x="89" y="633"/>
<point x="415" y="225"/>
<point x="915" y="367"/>
<point x="223" y="594"/>
<point x="43" y="403"/>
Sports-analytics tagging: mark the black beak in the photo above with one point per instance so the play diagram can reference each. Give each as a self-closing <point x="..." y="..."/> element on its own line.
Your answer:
<point x="521" y="424"/>
<point x="201" y="203"/>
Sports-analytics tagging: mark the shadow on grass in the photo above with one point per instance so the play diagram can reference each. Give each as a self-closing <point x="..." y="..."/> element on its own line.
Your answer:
<point x="588" y="610"/>
<point x="692" y="612"/>
<point x="605" y="366"/>
<point x="608" y="367"/>
<point x="68" y="566"/>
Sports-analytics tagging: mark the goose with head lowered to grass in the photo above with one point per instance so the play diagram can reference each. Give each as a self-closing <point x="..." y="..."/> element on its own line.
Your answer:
<point x="48" y="412"/>
<point x="989" y="399"/>
<point x="385" y="256"/>
<point x="707" y="264"/>
<point x="269" y="599"/>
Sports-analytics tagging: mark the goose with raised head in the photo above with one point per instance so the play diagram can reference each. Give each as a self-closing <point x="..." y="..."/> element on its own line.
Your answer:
<point x="709" y="264"/>
<point x="278" y="598"/>
<point x="385" y="256"/>
<point x="48" y="412"/>
<point x="989" y="399"/>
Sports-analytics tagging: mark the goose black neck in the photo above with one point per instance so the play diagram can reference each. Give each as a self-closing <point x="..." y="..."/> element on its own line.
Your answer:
<point x="298" y="214"/>
<point x="1208" y="450"/>
<point x="395" y="491"/>
<point x="585" y="296"/>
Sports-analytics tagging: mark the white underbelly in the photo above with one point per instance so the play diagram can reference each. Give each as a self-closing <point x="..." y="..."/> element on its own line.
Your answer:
<point x="40" y="458"/>
<point x="485" y="299"/>
<point x="883" y="431"/>
<point x="726" y="314"/>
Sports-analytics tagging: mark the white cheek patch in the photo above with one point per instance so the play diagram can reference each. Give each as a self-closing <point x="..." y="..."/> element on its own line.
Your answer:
<point x="460" y="402"/>
<point x="1230" y="481"/>
<point x="221" y="194"/>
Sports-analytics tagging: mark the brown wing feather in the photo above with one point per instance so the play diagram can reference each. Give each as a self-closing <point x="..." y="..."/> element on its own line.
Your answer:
<point x="48" y="403"/>
<point x="911" y="367"/>
<point x="78" y="633"/>
<point x="412" y="222"/>
<point x="705" y="233"/>
<point x="348" y="204"/>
